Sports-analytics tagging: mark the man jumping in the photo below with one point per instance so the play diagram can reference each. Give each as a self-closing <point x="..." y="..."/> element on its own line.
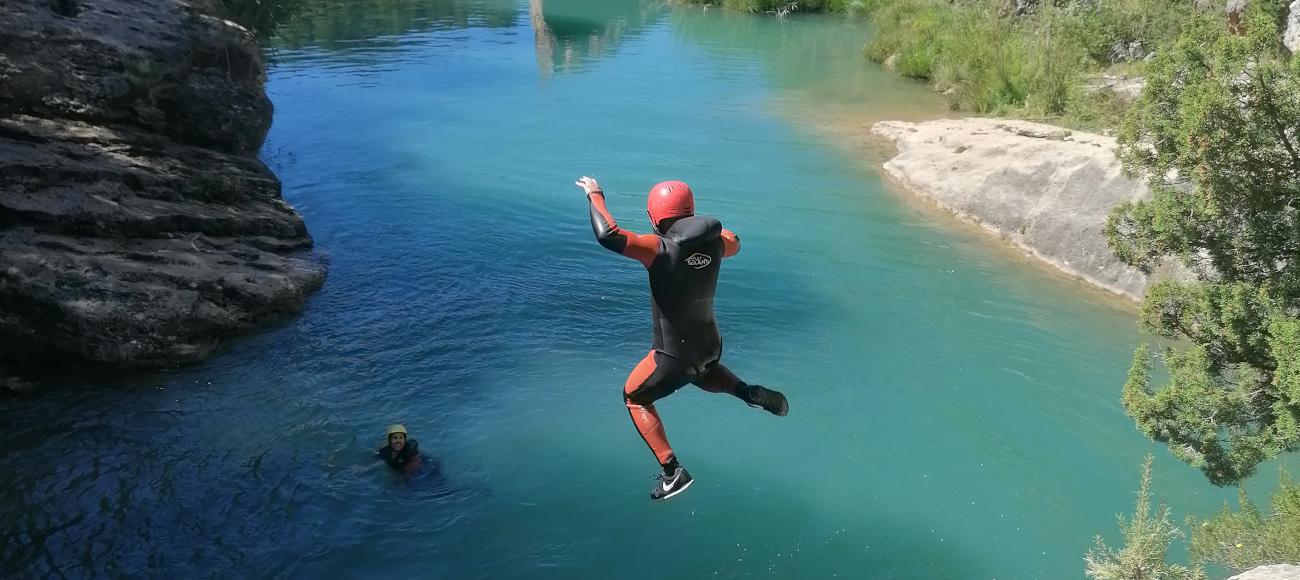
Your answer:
<point x="682" y="258"/>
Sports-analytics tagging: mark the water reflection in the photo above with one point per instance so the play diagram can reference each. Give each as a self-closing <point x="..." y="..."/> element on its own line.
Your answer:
<point x="568" y="34"/>
<point x="825" y="58"/>
<point x="816" y="65"/>
<point x="338" y="24"/>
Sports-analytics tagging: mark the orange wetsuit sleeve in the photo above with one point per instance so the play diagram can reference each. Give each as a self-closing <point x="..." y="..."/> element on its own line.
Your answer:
<point x="640" y="247"/>
<point x="730" y="243"/>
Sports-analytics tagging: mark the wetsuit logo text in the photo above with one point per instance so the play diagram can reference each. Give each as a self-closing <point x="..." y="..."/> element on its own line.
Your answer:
<point x="698" y="261"/>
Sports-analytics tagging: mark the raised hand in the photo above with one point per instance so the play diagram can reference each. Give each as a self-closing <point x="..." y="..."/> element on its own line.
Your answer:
<point x="588" y="185"/>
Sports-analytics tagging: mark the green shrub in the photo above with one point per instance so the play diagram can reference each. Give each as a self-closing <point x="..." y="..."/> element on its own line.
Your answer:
<point x="1238" y="540"/>
<point x="1249" y="538"/>
<point x="1032" y="65"/>
<point x="778" y="5"/>
<point x="261" y="16"/>
<point x="1147" y="538"/>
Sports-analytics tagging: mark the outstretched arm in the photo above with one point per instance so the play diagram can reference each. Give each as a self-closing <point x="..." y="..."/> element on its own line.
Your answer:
<point x="730" y="243"/>
<point x="640" y="247"/>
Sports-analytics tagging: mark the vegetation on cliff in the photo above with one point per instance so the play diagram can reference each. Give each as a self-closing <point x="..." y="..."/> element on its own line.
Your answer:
<point x="1042" y="64"/>
<point x="1232" y="541"/>
<point x="1215" y="133"/>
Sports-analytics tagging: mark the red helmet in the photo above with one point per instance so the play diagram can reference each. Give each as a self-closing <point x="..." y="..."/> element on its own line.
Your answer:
<point x="669" y="199"/>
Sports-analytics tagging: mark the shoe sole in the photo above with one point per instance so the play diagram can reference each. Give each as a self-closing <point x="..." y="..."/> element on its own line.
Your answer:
<point x="781" y="411"/>
<point x="683" y="488"/>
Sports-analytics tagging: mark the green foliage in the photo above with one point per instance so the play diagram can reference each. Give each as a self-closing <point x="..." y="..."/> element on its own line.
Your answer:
<point x="1032" y="65"/>
<point x="262" y="17"/>
<point x="1249" y="538"/>
<point x="1098" y="27"/>
<point x="1236" y="540"/>
<point x="981" y="61"/>
<point x="1216" y="135"/>
<point x="1147" y="538"/>
<point x="777" y="5"/>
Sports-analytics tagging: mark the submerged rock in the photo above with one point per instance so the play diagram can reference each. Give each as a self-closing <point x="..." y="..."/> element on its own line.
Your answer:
<point x="1045" y="189"/>
<point x="138" y="229"/>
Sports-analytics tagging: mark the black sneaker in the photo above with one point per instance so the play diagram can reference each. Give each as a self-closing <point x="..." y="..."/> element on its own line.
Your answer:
<point x="670" y="485"/>
<point x="767" y="399"/>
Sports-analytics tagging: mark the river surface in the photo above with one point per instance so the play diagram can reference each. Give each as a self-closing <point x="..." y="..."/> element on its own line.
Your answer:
<point x="954" y="409"/>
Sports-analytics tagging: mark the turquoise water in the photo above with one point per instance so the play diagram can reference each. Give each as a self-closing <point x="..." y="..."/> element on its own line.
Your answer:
<point x="954" y="409"/>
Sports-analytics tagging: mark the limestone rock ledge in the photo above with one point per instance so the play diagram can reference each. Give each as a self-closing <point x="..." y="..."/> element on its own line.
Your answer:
<point x="1046" y="189"/>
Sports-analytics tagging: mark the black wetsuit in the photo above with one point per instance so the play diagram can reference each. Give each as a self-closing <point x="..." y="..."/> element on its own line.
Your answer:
<point x="400" y="459"/>
<point x="683" y="279"/>
<point x="686" y="342"/>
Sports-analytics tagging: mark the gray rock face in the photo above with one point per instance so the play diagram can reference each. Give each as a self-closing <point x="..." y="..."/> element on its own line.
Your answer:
<point x="1045" y="189"/>
<point x="138" y="229"/>
<point x="1017" y="7"/>
<point x="1128" y="52"/>
<point x="1291" y="35"/>
<point x="1236" y="10"/>
<point x="1274" y="572"/>
<point x="1127" y="88"/>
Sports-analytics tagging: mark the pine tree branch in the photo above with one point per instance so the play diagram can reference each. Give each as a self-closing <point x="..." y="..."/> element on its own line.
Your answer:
<point x="1275" y="118"/>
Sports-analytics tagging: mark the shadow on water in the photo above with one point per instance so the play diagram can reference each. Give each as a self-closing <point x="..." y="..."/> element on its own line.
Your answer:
<point x="720" y="531"/>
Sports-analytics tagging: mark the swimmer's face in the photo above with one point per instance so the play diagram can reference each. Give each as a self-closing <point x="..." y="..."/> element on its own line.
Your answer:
<point x="397" y="441"/>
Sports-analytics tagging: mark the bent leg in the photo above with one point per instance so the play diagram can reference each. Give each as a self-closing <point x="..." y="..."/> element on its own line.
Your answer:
<point x="654" y="378"/>
<point x="719" y="379"/>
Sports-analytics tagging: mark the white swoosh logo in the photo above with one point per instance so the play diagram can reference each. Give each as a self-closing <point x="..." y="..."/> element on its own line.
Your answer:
<point x="667" y="486"/>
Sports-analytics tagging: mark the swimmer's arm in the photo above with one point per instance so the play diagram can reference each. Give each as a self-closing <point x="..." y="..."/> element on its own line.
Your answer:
<point x="730" y="243"/>
<point x="413" y="465"/>
<point x="640" y="247"/>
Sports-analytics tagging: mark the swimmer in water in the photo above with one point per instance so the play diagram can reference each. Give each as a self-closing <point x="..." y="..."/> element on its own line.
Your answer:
<point x="400" y="453"/>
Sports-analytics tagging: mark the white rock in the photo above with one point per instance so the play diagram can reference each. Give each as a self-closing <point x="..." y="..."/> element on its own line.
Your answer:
<point x="1274" y="572"/>
<point x="1291" y="36"/>
<point x="1128" y="88"/>
<point x="1046" y="189"/>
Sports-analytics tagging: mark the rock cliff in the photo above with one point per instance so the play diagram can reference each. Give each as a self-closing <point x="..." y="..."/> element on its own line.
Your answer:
<point x="138" y="229"/>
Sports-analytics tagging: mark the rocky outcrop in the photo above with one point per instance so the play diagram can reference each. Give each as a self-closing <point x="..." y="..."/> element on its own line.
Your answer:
<point x="1123" y="87"/>
<point x="138" y="229"/>
<point x="1045" y="189"/>
<point x="1291" y="34"/>
<point x="1236" y="11"/>
<point x="1017" y="7"/>
<point x="1274" y="572"/>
